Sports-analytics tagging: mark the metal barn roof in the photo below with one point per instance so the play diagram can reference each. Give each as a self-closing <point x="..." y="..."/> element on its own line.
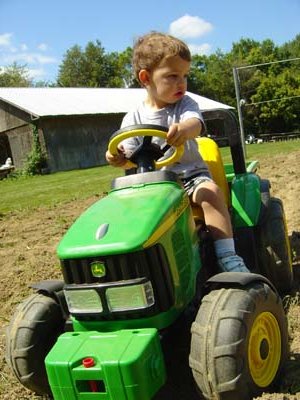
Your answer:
<point x="42" y="102"/>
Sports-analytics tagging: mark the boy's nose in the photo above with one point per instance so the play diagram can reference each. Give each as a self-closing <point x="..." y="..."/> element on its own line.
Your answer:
<point x="181" y="83"/>
<point x="182" y="80"/>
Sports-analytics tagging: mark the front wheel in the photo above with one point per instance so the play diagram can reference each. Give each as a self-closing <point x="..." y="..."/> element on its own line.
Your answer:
<point x="33" y="330"/>
<point x="239" y="342"/>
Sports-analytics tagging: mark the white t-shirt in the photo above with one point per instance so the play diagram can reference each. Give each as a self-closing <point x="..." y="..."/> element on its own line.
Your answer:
<point x="191" y="163"/>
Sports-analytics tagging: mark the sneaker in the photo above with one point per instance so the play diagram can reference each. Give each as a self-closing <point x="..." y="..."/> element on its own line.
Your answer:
<point x="232" y="263"/>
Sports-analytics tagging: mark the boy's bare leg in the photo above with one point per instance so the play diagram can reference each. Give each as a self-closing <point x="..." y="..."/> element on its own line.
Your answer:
<point x="217" y="219"/>
<point x="211" y="199"/>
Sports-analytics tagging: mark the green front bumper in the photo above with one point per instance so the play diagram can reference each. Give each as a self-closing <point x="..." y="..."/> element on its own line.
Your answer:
<point x="126" y="365"/>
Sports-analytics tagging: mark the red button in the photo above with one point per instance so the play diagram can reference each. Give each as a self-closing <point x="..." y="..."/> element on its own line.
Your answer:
<point x="88" y="362"/>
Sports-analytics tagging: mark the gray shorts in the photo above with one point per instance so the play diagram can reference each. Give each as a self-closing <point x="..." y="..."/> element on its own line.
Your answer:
<point x="190" y="184"/>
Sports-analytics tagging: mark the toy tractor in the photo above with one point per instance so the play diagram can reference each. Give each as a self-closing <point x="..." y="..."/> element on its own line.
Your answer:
<point x="143" y="312"/>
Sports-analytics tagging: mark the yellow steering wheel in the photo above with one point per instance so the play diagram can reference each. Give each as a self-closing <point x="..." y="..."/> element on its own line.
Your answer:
<point x="145" y="130"/>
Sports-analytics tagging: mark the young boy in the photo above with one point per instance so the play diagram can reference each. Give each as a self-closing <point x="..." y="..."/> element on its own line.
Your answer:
<point x="161" y="64"/>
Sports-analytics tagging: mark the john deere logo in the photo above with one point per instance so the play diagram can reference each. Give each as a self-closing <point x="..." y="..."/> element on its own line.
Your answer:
<point x="98" y="269"/>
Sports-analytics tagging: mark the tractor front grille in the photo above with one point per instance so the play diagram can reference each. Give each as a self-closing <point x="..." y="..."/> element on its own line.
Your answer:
<point x="150" y="263"/>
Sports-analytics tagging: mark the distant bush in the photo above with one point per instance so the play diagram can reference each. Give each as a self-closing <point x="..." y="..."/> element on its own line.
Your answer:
<point x="36" y="160"/>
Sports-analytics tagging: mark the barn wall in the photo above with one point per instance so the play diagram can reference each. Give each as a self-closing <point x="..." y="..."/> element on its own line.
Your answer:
<point x="71" y="142"/>
<point x="11" y="117"/>
<point x="15" y="133"/>
<point x="78" y="141"/>
<point x="5" y="150"/>
<point x="20" y="141"/>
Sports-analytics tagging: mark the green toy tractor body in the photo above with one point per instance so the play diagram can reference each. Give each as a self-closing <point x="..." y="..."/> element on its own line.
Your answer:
<point x="138" y="273"/>
<point x="139" y="260"/>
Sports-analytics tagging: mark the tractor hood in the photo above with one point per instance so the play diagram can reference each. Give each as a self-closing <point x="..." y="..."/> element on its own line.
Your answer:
<point x="125" y="220"/>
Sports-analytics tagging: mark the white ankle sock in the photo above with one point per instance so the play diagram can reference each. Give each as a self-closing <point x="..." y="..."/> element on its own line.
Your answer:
<point x="224" y="247"/>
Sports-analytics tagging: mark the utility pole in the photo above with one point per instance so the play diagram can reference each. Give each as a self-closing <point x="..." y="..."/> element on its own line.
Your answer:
<point x="239" y="108"/>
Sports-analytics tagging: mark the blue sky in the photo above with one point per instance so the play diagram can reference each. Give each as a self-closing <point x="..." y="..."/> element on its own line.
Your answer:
<point x="38" y="33"/>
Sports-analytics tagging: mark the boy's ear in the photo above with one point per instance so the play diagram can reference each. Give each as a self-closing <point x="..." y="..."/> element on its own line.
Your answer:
<point x="144" y="77"/>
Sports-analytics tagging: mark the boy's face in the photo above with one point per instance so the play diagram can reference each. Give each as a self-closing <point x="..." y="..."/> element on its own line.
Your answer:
<point x="167" y="82"/>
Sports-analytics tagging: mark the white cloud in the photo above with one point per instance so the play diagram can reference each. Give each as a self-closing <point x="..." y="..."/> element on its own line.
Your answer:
<point x="43" y="46"/>
<point x="199" y="49"/>
<point x="5" y="39"/>
<point x="190" y="27"/>
<point x="45" y="59"/>
<point x="28" y="58"/>
<point x="24" y="47"/>
<point x="35" y="73"/>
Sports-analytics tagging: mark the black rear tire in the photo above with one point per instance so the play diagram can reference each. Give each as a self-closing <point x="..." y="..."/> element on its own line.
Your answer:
<point x="275" y="258"/>
<point x="33" y="330"/>
<point x="239" y="342"/>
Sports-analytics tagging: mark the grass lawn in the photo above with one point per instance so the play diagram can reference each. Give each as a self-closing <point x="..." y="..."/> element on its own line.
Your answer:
<point x="45" y="191"/>
<point x="28" y="192"/>
<point x="259" y="151"/>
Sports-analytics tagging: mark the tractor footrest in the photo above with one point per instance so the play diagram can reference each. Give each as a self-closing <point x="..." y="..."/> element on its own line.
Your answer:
<point x="121" y="365"/>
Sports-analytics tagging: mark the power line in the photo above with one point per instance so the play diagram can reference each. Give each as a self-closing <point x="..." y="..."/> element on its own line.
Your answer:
<point x="268" y="63"/>
<point x="270" y="101"/>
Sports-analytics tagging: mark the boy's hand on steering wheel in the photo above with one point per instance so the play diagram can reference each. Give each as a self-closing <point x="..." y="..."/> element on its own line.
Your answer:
<point x="180" y="132"/>
<point x="116" y="160"/>
<point x="176" y="136"/>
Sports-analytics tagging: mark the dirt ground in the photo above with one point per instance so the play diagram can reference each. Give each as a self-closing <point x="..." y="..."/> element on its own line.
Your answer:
<point x="27" y="252"/>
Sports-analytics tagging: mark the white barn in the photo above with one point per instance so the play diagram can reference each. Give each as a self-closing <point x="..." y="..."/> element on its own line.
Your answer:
<point x="74" y="124"/>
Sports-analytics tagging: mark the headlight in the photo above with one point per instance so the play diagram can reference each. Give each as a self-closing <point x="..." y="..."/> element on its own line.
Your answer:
<point x="131" y="297"/>
<point x="83" y="301"/>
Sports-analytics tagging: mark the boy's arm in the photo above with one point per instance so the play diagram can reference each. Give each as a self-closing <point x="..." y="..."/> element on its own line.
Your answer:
<point x="180" y="132"/>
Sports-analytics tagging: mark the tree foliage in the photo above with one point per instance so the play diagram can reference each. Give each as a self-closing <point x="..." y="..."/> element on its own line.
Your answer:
<point x="211" y="76"/>
<point x="15" y="75"/>
<point x="270" y="89"/>
<point x="36" y="160"/>
<point x="91" y="67"/>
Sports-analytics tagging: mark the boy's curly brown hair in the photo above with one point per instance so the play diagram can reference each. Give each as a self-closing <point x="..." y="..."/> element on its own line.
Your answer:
<point x="149" y="50"/>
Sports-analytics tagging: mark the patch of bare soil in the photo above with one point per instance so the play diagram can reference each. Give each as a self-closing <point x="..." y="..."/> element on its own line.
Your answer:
<point x="27" y="253"/>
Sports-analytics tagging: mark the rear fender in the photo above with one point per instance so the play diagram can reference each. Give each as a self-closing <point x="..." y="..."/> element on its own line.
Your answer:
<point x="229" y="279"/>
<point x="265" y="187"/>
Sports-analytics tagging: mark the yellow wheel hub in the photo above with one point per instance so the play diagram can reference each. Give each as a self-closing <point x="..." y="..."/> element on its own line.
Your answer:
<point x="264" y="349"/>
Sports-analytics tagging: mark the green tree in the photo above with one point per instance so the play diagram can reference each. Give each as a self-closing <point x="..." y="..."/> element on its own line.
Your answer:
<point x="290" y="49"/>
<point x="15" y="75"/>
<point x="211" y="76"/>
<point x="280" y="115"/>
<point x="269" y="88"/>
<point x="240" y="50"/>
<point x="256" y="58"/>
<point x="70" y="69"/>
<point x="91" y="67"/>
<point x="125" y="68"/>
<point x="263" y="82"/>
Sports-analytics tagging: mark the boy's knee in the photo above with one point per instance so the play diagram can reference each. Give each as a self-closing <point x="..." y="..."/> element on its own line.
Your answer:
<point x="208" y="192"/>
